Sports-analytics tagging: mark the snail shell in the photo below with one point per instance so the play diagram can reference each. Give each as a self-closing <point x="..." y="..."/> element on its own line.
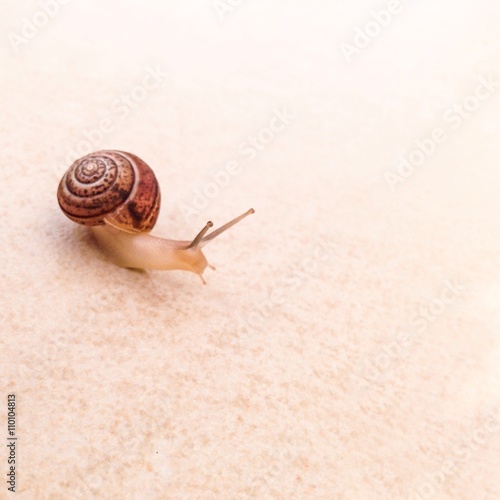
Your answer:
<point x="111" y="187"/>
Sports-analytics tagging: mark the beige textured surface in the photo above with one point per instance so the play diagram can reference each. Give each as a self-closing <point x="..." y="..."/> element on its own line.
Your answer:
<point x="306" y="367"/>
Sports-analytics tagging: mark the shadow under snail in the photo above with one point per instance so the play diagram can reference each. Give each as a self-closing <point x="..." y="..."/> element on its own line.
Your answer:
<point x="118" y="196"/>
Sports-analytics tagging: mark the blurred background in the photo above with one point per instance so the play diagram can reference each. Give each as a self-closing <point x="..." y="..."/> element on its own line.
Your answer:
<point x="347" y="346"/>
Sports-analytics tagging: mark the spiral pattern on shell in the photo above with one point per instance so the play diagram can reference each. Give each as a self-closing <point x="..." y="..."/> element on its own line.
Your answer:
<point x="110" y="186"/>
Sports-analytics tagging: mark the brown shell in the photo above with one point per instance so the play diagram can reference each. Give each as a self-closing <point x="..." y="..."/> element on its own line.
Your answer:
<point x="111" y="187"/>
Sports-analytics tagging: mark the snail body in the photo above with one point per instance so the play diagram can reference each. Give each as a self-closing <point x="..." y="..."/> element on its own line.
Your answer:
<point x="117" y="195"/>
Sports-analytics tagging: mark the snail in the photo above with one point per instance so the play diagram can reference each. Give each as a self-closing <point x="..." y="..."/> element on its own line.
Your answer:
<point x="117" y="195"/>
